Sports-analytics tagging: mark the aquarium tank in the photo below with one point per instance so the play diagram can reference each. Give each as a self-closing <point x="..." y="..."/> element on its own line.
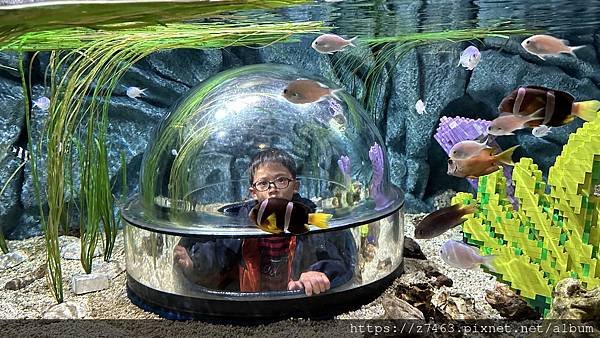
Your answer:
<point x="190" y="242"/>
<point x="147" y="119"/>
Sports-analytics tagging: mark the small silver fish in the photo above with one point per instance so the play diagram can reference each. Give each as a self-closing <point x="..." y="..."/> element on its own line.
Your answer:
<point x="463" y="256"/>
<point x="331" y="43"/>
<point x="469" y="58"/>
<point x="135" y="92"/>
<point x="420" y="107"/>
<point x="545" y="45"/>
<point x="540" y="131"/>
<point x="43" y="103"/>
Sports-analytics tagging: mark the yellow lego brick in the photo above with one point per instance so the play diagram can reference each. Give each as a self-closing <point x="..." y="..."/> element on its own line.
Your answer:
<point x="557" y="233"/>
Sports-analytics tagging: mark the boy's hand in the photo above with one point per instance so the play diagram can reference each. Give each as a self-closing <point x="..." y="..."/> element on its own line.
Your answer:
<point x="182" y="258"/>
<point x="312" y="282"/>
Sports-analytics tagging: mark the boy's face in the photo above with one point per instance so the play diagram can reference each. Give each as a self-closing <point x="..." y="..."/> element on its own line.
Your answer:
<point x="270" y="172"/>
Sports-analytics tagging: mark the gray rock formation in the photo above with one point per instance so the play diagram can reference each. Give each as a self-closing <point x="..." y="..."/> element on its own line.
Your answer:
<point x="11" y="125"/>
<point x="396" y="308"/>
<point x="509" y="304"/>
<point x="571" y="301"/>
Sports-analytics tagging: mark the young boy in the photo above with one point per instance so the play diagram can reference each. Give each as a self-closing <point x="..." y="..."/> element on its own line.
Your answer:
<point x="314" y="262"/>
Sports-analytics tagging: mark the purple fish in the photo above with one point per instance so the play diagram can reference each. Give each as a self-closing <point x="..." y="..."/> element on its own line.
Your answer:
<point x="469" y="58"/>
<point x="463" y="256"/>
<point x="43" y="103"/>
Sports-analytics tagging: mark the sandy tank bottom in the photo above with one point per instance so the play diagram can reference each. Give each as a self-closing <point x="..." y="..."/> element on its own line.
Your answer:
<point x="34" y="300"/>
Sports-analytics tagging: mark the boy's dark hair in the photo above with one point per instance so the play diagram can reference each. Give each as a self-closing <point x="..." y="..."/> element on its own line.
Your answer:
<point x="274" y="156"/>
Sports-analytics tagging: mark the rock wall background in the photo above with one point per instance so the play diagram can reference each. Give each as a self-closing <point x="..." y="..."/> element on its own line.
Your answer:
<point x="418" y="163"/>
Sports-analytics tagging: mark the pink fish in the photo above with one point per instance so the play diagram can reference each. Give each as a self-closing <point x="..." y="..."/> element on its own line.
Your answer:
<point x="463" y="256"/>
<point x="465" y="149"/>
<point x="505" y="124"/>
<point x="546" y="45"/>
<point x="484" y="163"/>
<point x="306" y="91"/>
<point x="331" y="43"/>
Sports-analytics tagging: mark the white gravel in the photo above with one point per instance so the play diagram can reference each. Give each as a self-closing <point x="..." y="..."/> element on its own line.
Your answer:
<point x="32" y="301"/>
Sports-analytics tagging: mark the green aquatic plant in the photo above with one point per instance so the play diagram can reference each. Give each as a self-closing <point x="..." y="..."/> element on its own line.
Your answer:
<point x="50" y="235"/>
<point x="150" y="39"/>
<point x="90" y="216"/>
<point x="383" y="53"/>
<point x="18" y="20"/>
<point x="180" y="174"/>
<point x="553" y="235"/>
<point x="105" y="197"/>
<point x="3" y="245"/>
<point x="82" y="78"/>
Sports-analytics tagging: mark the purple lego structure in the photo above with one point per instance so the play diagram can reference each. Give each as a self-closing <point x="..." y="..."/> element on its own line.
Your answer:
<point x="452" y="130"/>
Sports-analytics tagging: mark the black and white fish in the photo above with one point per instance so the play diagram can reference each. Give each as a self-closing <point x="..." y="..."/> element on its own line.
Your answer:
<point x="278" y="215"/>
<point x="21" y="153"/>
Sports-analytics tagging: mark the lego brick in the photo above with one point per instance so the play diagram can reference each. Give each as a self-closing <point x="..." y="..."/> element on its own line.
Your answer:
<point x="552" y="235"/>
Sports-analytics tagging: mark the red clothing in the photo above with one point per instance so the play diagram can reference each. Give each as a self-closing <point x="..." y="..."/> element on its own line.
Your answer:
<point x="273" y="247"/>
<point x="255" y="252"/>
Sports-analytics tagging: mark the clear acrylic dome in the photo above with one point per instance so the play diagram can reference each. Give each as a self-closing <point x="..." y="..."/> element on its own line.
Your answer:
<point x="196" y="169"/>
<point x="191" y="245"/>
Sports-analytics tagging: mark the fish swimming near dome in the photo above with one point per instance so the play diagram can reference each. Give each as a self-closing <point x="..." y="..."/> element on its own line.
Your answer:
<point x="303" y="91"/>
<point x="278" y="215"/>
<point x="442" y="220"/>
<point x="507" y="123"/>
<point x="331" y="43"/>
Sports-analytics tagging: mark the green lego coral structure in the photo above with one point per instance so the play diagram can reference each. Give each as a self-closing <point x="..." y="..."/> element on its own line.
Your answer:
<point x="553" y="235"/>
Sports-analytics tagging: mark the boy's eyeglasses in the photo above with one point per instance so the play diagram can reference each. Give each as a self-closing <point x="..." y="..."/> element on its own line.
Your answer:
<point x="279" y="183"/>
